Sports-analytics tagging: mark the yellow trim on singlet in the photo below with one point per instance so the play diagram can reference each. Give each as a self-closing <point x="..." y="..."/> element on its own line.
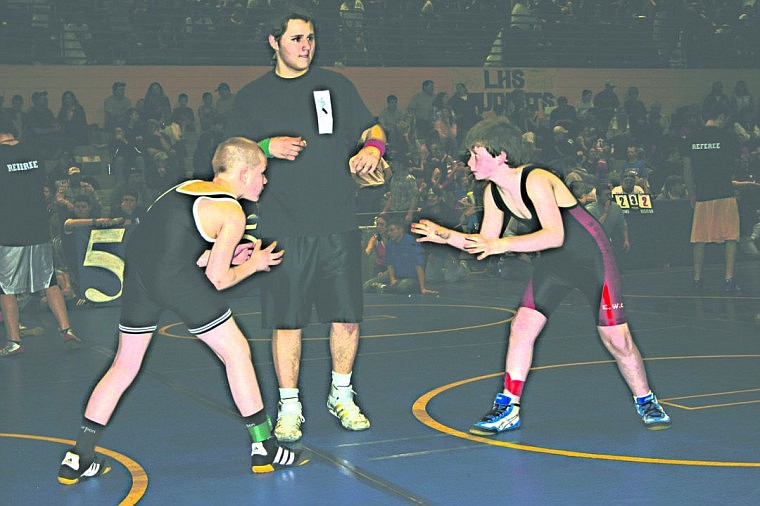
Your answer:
<point x="199" y="187"/>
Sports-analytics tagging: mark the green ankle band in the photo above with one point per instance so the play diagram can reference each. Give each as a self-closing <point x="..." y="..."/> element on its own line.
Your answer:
<point x="262" y="431"/>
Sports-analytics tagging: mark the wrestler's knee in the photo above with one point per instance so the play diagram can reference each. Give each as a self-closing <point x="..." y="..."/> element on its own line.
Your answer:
<point x="618" y="339"/>
<point x="125" y="370"/>
<point x="237" y="347"/>
<point x="527" y="324"/>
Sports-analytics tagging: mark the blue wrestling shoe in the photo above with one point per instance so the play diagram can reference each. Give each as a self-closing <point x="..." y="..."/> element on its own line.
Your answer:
<point x="652" y="414"/>
<point x="504" y="416"/>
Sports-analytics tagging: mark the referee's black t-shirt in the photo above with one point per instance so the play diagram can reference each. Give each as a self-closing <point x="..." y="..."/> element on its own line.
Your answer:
<point x="314" y="194"/>
<point x="23" y="214"/>
<point x="712" y="151"/>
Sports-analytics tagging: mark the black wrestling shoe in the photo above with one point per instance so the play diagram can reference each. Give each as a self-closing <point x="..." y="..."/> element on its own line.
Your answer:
<point x="75" y="468"/>
<point x="276" y="458"/>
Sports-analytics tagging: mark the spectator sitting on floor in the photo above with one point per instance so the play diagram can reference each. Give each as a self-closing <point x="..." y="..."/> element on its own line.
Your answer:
<point x="406" y="261"/>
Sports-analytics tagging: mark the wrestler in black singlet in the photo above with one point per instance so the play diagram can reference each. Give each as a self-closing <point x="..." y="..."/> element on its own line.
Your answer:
<point x="584" y="261"/>
<point x="161" y="270"/>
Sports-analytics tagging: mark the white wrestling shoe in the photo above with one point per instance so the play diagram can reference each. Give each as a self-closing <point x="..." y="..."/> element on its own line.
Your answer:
<point x="289" y="421"/>
<point x="341" y="404"/>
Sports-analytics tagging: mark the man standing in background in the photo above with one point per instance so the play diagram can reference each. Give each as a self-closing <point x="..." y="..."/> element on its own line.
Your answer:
<point x="26" y="253"/>
<point x="708" y="171"/>
<point x="309" y="120"/>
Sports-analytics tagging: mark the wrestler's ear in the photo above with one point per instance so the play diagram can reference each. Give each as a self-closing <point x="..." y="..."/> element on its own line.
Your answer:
<point x="273" y="43"/>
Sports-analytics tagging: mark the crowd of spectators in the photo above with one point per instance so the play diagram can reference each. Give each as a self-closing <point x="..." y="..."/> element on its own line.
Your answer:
<point x="646" y="33"/>
<point x="670" y="33"/>
<point x="603" y="145"/>
<point x="189" y="32"/>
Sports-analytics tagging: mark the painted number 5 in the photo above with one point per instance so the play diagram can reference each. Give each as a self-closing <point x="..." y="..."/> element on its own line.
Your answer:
<point x="104" y="260"/>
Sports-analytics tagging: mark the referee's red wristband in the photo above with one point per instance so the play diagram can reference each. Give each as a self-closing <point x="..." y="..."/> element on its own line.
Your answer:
<point x="376" y="143"/>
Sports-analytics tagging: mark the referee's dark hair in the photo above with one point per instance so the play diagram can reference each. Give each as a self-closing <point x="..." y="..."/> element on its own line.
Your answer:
<point x="279" y="21"/>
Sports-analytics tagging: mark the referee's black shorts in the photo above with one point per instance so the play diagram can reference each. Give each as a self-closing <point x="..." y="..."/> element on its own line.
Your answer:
<point x="322" y="271"/>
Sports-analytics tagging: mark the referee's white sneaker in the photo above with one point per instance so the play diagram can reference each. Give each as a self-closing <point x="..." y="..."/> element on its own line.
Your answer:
<point x="289" y="421"/>
<point x="341" y="404"/>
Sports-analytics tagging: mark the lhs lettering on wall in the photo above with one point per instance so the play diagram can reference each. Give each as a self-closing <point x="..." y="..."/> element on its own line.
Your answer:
<point x="500" y="86"/>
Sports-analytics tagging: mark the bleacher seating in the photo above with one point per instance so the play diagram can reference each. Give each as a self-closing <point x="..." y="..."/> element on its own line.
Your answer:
<point x="459" y="34"/>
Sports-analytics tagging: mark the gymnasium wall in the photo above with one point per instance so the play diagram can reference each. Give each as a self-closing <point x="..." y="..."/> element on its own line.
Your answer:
<point x="91" y="84"/>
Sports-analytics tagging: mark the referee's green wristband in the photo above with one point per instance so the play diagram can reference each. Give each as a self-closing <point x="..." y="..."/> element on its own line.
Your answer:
<point x="264" y="145"/>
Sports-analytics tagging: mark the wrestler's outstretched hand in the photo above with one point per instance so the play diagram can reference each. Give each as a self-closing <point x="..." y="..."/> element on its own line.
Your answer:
<point x="264" y="259"/>
<point x="430" y="232"/>
<point x="287" y="148"/>
<point x="483" y="247"/>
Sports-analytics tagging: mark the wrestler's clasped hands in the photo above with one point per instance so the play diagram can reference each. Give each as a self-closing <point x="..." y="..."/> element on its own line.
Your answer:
<point x="264" y="259"/>
<point x="242" y="253"/>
